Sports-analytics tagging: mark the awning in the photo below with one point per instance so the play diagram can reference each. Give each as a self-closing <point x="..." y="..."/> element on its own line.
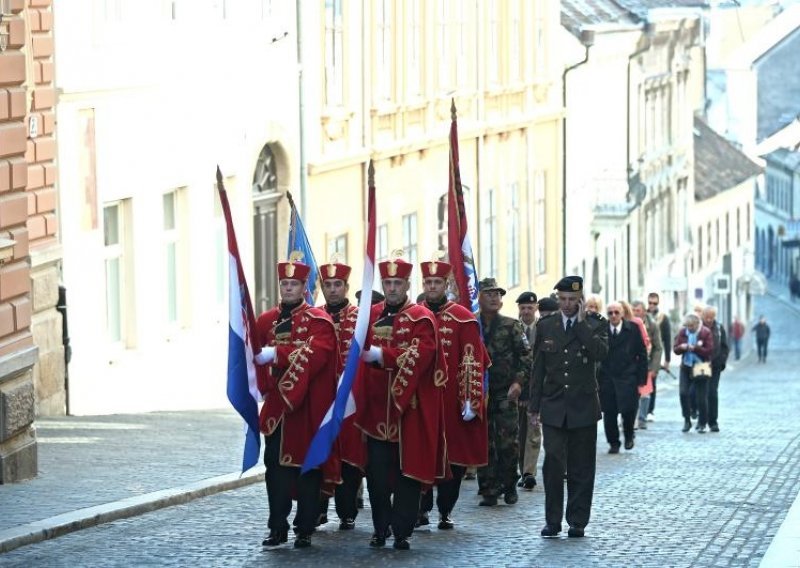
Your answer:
<point x="753" y="283"/>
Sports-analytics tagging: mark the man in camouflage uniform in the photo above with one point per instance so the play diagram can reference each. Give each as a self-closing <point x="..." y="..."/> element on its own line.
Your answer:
<point x="508" y="376"/>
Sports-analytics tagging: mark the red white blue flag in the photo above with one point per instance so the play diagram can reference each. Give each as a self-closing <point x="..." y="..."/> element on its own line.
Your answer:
<point x="243" y="391"/>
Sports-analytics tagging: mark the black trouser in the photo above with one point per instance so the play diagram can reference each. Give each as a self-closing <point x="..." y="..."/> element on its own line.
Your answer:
<point x="394" y="498"/>
<point x="653" y="395"/>
<point x="762" y="349"/>
<point x="447" y="492"/>
<point x="347" y="492"/>
<point x="700" y="385"/>
<point x="570" y="451"/>
<point x="611" y="426"/>
<point x="279" y="480"/>
<point x="713" y="396"/>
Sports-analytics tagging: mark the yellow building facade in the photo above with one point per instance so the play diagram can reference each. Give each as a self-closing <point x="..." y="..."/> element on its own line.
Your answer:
<point x="377" y="82"/>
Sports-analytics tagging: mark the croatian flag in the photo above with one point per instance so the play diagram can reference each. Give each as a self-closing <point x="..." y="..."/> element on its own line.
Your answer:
<point x="344" y="404"/>
<point x="458" y="244"/>
<point x="298" y="240"/>
<point x="242" y="388"/>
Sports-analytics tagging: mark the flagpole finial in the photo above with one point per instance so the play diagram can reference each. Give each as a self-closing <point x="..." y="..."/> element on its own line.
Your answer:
<point x="219" y="176"/>
<point x="289" y="197"/>
<point x="371" y="174"/>
<point x="453" y="113"/>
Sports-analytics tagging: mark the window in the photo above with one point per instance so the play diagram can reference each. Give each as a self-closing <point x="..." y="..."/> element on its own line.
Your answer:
<point x="171" y="239"/>
<point x="338" y="246"/>
<point x="738" y="227"/>
<point x="414" y="50"/>
<point x="540" y="223"/>
<point x="489" y="244"/>
<point x="728" y="231"/>
<point x="334" y="54"/>
<point x="443" y="40"/>
<point x="514" y="62"/>
<point x="493" y="57"/>
<point x="461" y="64"/>
<point x="116" y="255"/>
<point x="512" y="236"/>
<point x="699" y="247"/>
<point x="441" y="222"/>
<point x="749" y="226"/>
<point x="410" y="246"/>
<point x="708" y="242"/>
<point x="385" y="53"/>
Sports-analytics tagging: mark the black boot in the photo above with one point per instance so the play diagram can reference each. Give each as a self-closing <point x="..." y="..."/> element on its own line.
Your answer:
<point x="275" y="538"/>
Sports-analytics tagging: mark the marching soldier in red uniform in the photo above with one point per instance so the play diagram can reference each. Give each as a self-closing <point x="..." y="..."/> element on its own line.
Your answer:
<point x="298" y="381"/>
<point x="464" y="406"/>
<point x="352" y="446"/>
<point x="398" y="406"/>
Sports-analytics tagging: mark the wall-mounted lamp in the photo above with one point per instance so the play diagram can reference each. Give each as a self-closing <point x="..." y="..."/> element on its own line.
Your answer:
<point x="5" y="24"/>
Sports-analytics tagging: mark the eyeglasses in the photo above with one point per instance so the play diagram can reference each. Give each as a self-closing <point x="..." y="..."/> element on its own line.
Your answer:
<point x="613" y="312"/>
<point x="652" y="303"/>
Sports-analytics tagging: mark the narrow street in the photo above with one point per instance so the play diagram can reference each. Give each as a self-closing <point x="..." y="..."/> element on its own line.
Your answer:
<point x="674" y="500"/>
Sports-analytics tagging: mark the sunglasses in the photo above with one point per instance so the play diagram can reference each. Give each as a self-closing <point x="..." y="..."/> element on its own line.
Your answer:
<point x="653" y="303"/>
<point x="613" y="312"/>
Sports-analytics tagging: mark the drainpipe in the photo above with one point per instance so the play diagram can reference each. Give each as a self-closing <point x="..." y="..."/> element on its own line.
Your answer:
<point x="300" y="96"/>
<point x="587" y="40"/>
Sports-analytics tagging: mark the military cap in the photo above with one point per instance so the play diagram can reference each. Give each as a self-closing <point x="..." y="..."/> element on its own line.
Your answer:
<point x="489" y="284"/>
<point x="548" y="304"/>
<point x="570" y="284"/>
<point x="527" y="298"/>
<point x="334" y="271"/>
<point x="293" y="268"/>
<point x="377" y="297"/>
<point x="436" y="268"/>
<point x="395" y="268"/>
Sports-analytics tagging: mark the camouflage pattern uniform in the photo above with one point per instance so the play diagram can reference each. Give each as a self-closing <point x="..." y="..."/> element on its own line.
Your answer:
<point x="511" y="363"/>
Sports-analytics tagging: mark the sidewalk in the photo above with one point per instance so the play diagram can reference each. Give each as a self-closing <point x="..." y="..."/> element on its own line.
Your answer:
<point x="97" y="469"/>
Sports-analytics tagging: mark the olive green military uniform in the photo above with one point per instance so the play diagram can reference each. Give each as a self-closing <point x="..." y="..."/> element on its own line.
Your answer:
<point x="565" y="394"/>
<point x="511" y="362"/>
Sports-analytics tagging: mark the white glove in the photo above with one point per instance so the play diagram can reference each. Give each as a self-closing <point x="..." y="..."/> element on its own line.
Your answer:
<point x="267" y="355"/>
<point x="373" y="355"/>
<point x="467" y="413"/>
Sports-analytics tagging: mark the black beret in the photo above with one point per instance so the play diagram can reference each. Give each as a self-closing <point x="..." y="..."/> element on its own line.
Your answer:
<point x="570" y="284"/>
<point x="548" y="305"/>
<point x="527" y="298"/>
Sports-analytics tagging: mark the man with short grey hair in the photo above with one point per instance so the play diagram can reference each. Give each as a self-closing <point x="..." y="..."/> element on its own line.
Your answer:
<point x="719" y="358"/>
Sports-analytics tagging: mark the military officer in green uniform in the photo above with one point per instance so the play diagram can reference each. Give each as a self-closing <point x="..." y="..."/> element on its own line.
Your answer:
<point x="564" y="399"/>
<point x="511" y="361"/>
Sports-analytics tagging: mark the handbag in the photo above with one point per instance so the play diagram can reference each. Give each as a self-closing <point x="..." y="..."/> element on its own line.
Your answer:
<point x="701" y="370"/>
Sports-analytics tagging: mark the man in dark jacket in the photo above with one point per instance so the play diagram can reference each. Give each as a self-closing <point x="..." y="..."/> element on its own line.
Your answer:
<point x="719" y="357"/>
<point x="621" y="373"/>
<point x="761" y="329"/>
<point x="664" y="326"/>
<point x="564" y="400"/>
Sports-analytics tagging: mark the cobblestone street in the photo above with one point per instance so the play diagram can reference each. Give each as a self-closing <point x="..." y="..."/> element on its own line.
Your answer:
<point x="674" y="500"/>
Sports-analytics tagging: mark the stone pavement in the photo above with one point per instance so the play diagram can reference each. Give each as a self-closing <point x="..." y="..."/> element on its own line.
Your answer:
<point x="674" y="500"/>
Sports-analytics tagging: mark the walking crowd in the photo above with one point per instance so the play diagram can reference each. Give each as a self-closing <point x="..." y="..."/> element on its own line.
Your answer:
<point x="442" y="393"/>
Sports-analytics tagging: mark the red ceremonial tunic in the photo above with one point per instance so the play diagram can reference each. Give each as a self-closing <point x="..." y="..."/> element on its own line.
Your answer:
<point x="352" y="445"/>
<point x="467" y="359"/>
<point x="401" y="401"/>
<point x="300" y="384"/>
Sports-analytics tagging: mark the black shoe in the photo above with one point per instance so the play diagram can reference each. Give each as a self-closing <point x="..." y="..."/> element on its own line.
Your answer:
<point x="469" y="476"/>
<point x="488" y="501"/>
<point x="347" y="524"/>
<point x="422" y="520"/>
<point x="528" y="482"/>
<point x="302" y="541"/>
<point x="275" y="538"/>
<point x="322" y="519"/>
<point x="377" y="541"/>
<point x="401" y="543"/>
<point x="614" y="449"/>
<point x="628" y="444"/>
<point x="510" y="496"/>
<point x="550" y="531"/>
<point x="575" y="532"/>
<point x="445" y="523"/>
<point x="701" y="429"/>
<point x="687" y="425"/>
<point x="714" y="427"/>
<point x="521" y="482"/>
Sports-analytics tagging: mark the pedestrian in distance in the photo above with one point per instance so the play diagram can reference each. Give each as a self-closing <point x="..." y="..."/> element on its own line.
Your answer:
<point x="736" y="335"/>
<point x="622" y="372"/>
<point x="653" y="359"/>
<point x="719" y="358"/>
<point x="296" y="373"/>
<point x="464" y="405"/>
<point x="508" y="376"/>
<point x="594" y="304"/>
<point x="665" y="327"/>
<point x="399" y="406"/>
<point x="564" y="399"/>
<point x="761" y="330"/>
<point x="695" y="344"/>
<point x="530" y="435"/>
